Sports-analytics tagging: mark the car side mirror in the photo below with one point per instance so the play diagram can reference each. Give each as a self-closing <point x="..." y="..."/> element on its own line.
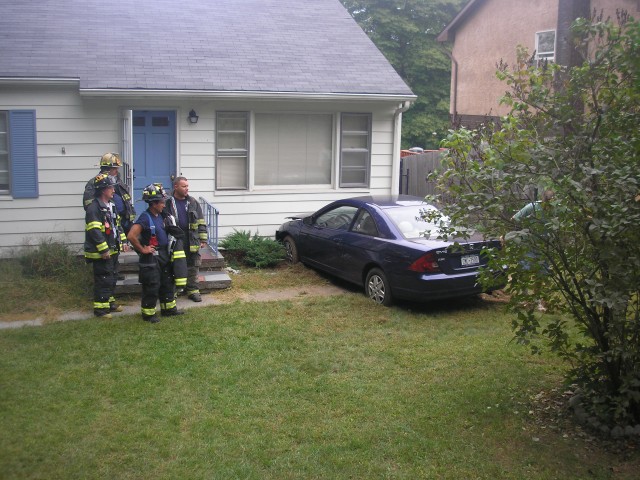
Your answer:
<point x="307" y="220"/>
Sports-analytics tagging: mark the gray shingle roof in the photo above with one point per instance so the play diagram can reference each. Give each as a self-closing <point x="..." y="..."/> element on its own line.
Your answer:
<point x="301" y="46"/>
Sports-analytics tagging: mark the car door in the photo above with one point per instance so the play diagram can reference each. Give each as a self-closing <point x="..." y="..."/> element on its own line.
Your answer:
<point x="359" y="247"/>
<point x="321" y="240"/>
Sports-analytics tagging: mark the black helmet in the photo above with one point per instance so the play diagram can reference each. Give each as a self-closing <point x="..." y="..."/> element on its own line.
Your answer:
<point x="103" y="181"/>
<point x="153" y="192"/>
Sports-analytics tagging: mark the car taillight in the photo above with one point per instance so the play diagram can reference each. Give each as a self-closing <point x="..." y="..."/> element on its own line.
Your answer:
<point x="426" y="263"/>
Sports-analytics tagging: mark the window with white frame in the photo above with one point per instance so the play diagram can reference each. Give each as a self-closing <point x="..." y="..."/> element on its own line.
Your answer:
<point x="546" y="46"/>
<point x="5" y="180"/>
<point x="293" y="149"/>
<point x="232" y="150"/>
<point x="355" y="149"/>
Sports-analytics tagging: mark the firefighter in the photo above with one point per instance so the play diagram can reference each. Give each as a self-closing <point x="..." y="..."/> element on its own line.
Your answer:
<point x="110" y="164"/>
<point x="159" y="244"/>
<point x="103" y="239"/>
<point x="187" y="212"/>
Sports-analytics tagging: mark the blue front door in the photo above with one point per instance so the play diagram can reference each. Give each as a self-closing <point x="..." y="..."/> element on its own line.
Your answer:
<point x="154" y="151"/>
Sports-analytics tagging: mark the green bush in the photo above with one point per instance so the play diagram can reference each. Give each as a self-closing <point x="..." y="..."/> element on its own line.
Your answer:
<point x="253" y="251"/>
<point x="50" y="259"/>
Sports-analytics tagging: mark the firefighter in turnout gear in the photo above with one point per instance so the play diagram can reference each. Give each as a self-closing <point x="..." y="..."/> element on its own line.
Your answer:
<point x="186" y="210"/>
<point x="163" y="266"/>
<point x="110" y="163"/>
<point x="103" y="239"/>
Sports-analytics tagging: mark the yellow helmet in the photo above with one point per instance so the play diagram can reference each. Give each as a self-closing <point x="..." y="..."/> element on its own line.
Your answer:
<point x="110" y="160"/>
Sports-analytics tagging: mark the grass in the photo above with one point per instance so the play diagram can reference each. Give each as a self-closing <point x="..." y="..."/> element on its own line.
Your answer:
<point x="26" y="294"/>
<point x="331" y="387"/>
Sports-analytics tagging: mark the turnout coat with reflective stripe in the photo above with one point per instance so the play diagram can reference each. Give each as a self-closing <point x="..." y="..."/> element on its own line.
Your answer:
<point x="99" y="228"/>
<point x="90" y="193"/>
<point x="197" y="227"/>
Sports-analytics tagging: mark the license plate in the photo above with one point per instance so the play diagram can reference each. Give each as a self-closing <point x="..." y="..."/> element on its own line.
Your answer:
<point x="469" y="260"/>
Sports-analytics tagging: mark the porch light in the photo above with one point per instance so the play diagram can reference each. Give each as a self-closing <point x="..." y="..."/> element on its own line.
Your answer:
<point x="193" y="117"/>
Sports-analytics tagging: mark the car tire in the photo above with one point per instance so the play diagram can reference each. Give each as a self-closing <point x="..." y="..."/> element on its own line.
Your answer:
<point x="291" y="250"/>
<point x="377" y="287"/>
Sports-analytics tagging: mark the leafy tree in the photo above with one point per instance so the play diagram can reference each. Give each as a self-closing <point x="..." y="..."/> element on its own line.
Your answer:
<point x="405" y="32"/>
<point x="574" y="131"/>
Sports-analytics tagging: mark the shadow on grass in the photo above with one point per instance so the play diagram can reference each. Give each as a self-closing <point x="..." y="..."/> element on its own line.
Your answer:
<point x="444" y="306"/>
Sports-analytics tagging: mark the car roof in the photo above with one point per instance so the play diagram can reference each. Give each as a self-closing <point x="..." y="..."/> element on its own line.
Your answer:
<point x="387" y="201"/>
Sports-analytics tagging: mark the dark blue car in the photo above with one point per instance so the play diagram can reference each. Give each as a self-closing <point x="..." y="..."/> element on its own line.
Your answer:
<point x="385" y="244"/>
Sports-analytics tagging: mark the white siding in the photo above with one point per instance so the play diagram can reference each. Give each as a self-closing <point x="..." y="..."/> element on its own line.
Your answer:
<point x="89" y="127"/>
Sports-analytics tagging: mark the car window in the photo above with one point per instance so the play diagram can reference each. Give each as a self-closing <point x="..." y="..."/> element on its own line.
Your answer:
<point x="365" y="224"/>
<point x="411" y="222"/>
<point x="338" y="218"/>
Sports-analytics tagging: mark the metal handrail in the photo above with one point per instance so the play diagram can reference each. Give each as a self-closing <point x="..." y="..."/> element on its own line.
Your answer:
<point x="211" y="220"/>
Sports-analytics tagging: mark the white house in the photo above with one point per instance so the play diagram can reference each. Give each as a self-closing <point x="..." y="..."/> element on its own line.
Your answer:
<point x="295" y="107"/>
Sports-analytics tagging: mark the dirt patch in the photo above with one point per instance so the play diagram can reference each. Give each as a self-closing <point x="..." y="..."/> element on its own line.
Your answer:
<point x="273" y="295"/>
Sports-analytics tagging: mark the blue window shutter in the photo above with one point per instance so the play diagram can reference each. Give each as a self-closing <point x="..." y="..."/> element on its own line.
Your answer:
<point x="23" y="153"/>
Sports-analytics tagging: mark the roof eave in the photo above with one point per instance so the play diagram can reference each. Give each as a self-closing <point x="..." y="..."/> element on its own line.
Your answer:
<point x="244" y="94"/>
<point x="39" y="81"/>
<point x="448" y="34"/>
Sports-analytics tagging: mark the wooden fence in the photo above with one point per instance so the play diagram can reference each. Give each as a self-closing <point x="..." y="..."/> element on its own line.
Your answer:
<point x="414" y="170"/>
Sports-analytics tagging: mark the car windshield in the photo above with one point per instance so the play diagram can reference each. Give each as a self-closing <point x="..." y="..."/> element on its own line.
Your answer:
<point x="411" y="222"/>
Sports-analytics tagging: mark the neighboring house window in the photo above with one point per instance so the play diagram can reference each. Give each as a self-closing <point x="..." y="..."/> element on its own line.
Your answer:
<point x="232" y="150"/>
<point x="293" y="149"/>
<point x="18" y="154"/>
<point x="546" y="46"/>
<point x="355" y="149"/>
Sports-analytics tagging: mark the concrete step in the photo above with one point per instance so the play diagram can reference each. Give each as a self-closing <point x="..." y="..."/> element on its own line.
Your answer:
<point x="209" y="280"/>
<point x="211" y="261"/>
<point x="212" y="272"/>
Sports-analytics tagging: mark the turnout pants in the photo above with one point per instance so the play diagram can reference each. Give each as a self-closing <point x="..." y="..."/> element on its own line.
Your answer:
<point x="193" y="270"/>
<point x="156" y="278"/>
<point x="105" y="276"/>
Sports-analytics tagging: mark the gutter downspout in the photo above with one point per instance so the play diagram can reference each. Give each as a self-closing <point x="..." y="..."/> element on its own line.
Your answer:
<point x="397" y="140"/>
<point x="454" y="89"/>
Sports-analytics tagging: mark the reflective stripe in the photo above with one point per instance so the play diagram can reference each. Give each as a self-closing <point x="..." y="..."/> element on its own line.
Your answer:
<point x="102" y="246"/>
<point x="194" y="248"/>
<point x="193" y="226"/>
<point x="148" y="311"/>
<point x="181" y="282"/>
<point x="100" y="305"/>
<point x="112" y="299"/>
<point x="178" y="254"/>
<point x="97" y="225"/>
<point x="168" y="306"/>
<point x="203" y="236"/>
<point x="191" y="292"/>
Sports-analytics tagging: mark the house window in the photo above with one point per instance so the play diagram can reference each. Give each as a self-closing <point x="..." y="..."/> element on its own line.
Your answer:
<point x="18" y="154"/>
<point x="355" y="149"/>
<point x="232" y="150"/>
<point x="293" y="149"/>
<point x="546" y="46"/>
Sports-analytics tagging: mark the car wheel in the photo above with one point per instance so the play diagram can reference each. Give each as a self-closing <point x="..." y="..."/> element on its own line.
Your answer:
<point x="377" y="287"/>
<point x="290" y="249"/>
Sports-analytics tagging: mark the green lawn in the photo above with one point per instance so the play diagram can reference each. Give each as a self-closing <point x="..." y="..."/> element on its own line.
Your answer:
<point x="317" y="388"/>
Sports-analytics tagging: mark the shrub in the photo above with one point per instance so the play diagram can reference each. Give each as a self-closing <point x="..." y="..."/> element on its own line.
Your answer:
<point x="50" y="259"/>
<point x="571" y="131"/>
<point x="254" y="251"/>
